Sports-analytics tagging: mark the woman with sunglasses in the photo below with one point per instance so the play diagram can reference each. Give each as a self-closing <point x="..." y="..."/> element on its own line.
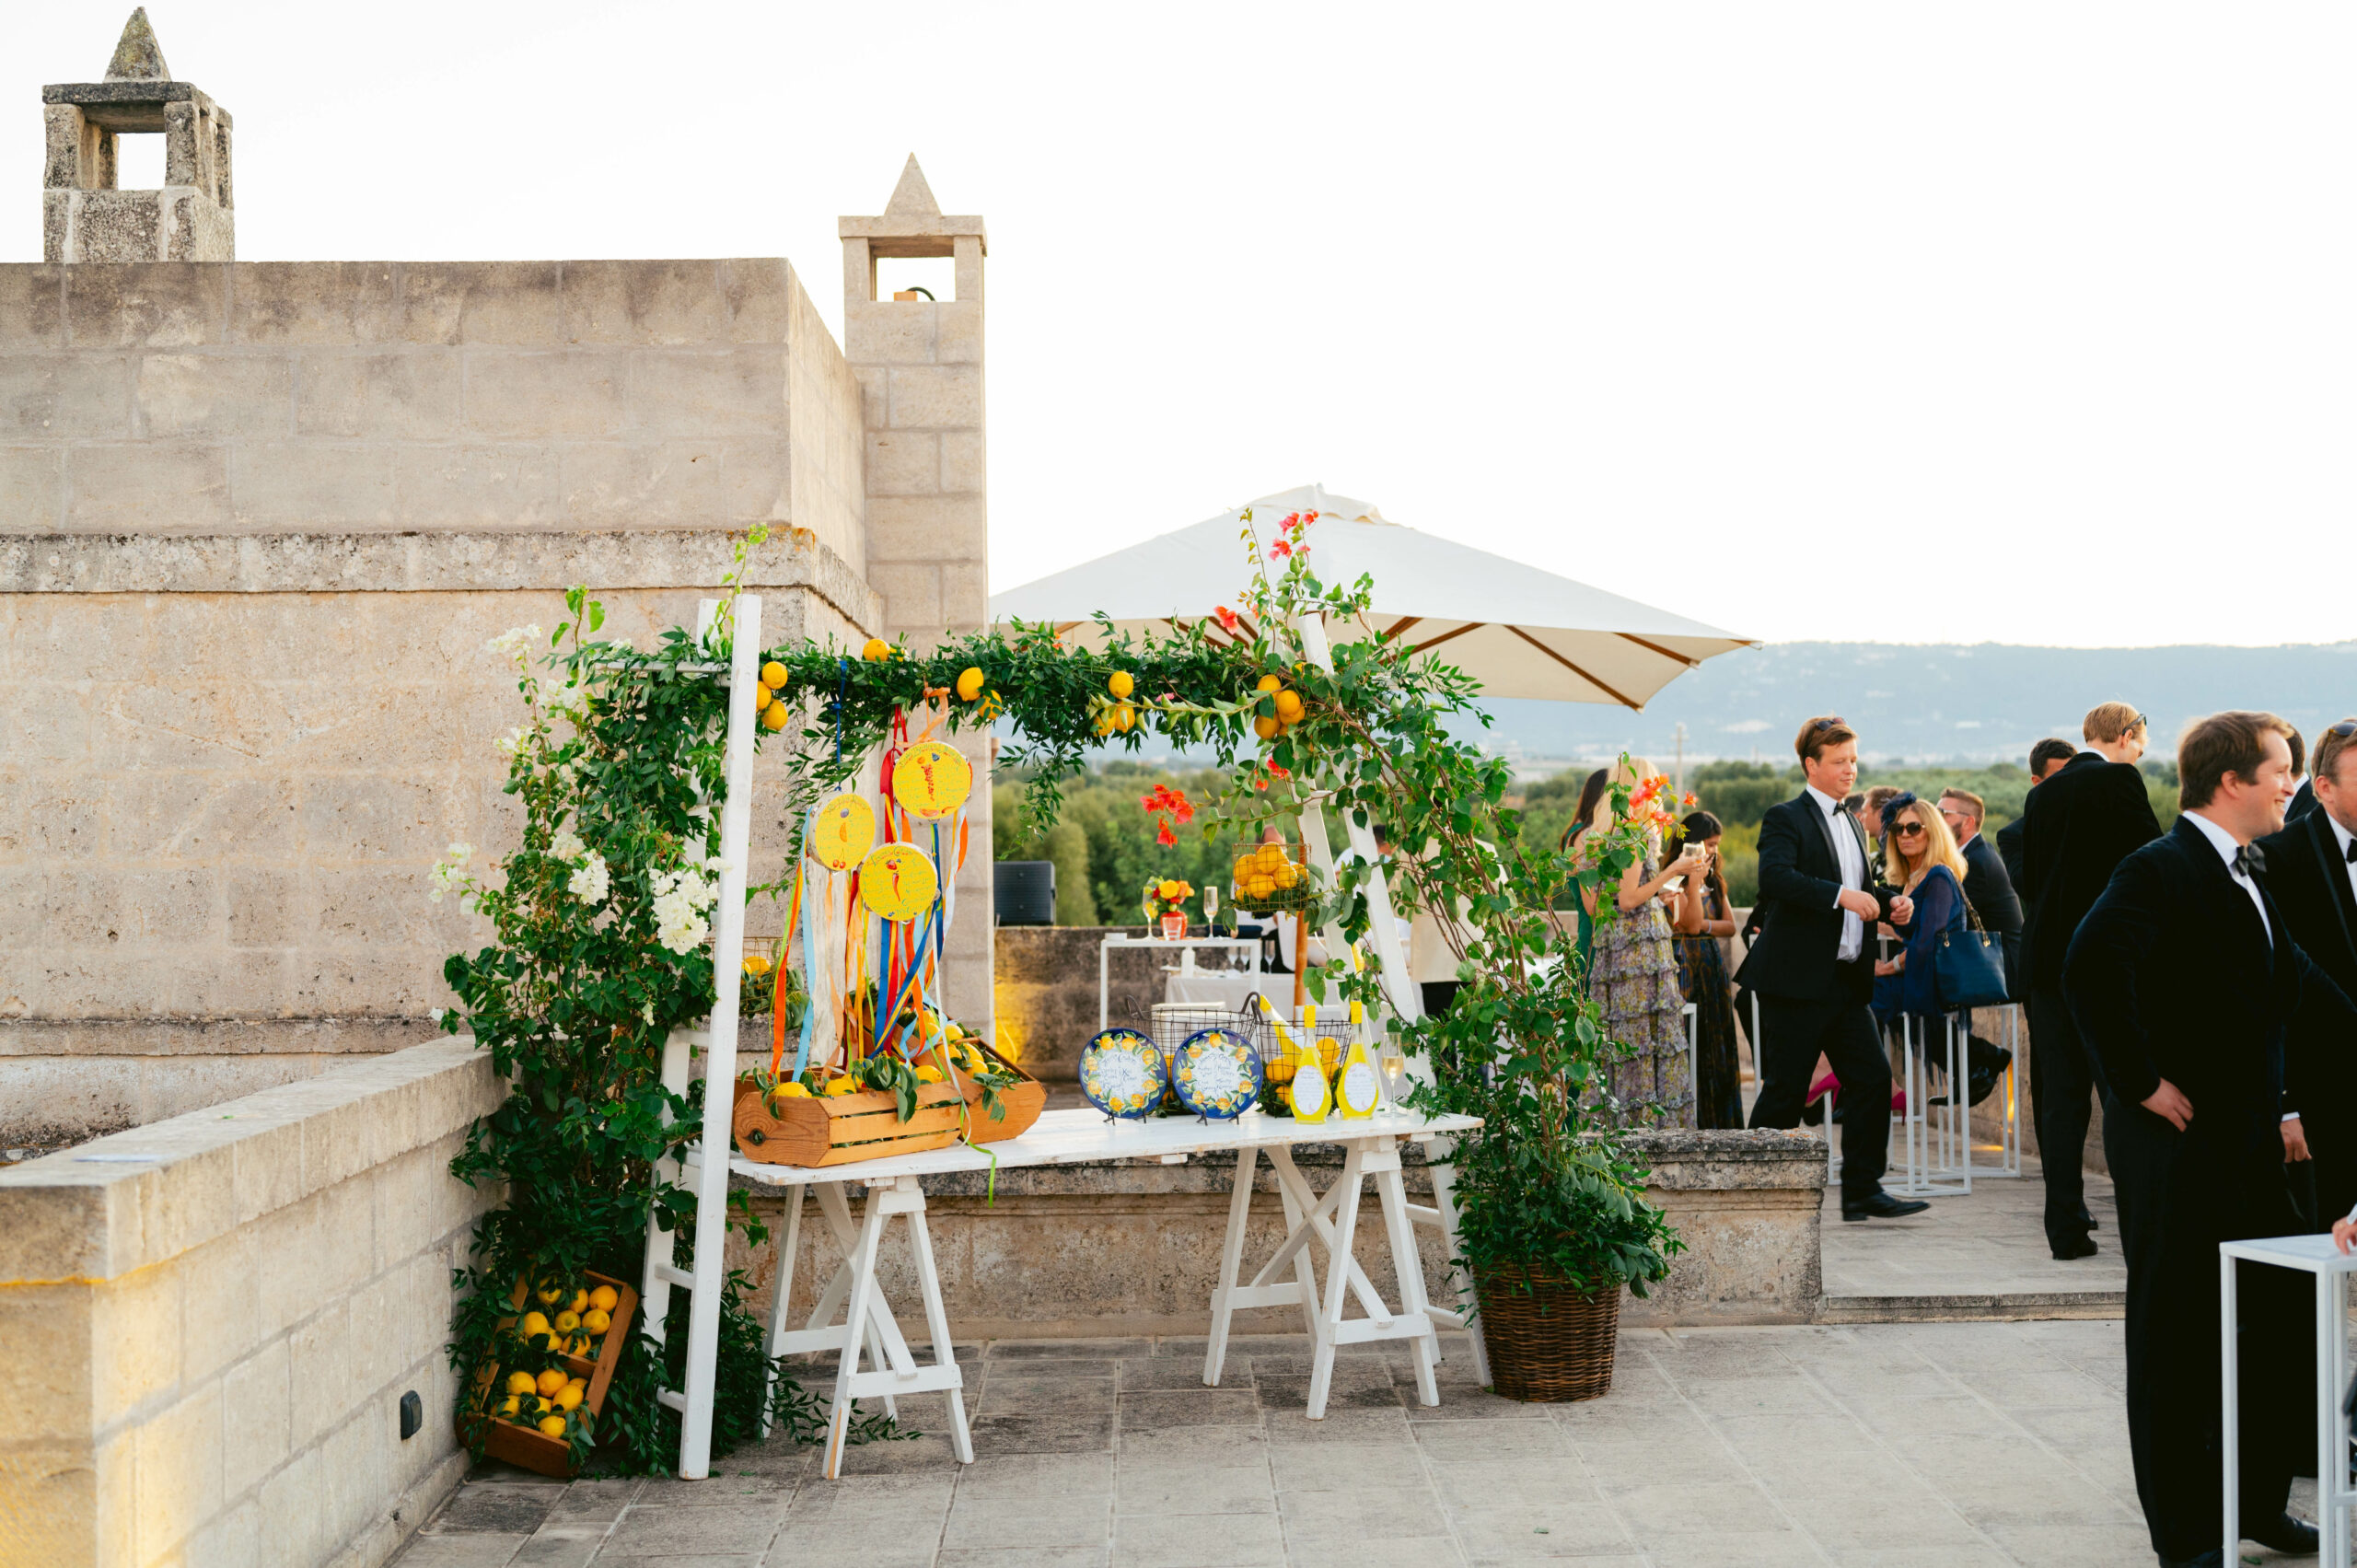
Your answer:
<point x="1922" y="859"/>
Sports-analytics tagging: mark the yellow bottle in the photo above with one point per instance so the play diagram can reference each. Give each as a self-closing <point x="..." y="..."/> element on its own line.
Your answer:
<point x="1358" y="1092"/>
<point x="1312" y="1096"/>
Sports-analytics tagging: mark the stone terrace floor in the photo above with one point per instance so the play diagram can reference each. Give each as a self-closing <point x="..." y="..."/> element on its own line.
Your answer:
<point x="1975" y="1254"/>
<point x="1896" y="1445"/>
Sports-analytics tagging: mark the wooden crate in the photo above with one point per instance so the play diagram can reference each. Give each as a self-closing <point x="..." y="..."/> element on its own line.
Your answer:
<point x="527" y="1446"/>
<point x="839" y="1129"/>
<point x="1024" y="1102"/>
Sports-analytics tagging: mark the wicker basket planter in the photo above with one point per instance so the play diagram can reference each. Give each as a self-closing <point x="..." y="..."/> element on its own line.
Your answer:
<point x="1549" y="1341"/>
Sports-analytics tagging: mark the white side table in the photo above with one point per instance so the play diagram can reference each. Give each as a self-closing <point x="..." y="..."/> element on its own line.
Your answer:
<point x="1187" y="944"/>
<point x="2316" y="1255"/>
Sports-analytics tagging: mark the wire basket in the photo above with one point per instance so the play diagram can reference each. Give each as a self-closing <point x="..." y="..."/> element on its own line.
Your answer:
<point x="1256" y="890"/>
<point x="1171" y="1024"/>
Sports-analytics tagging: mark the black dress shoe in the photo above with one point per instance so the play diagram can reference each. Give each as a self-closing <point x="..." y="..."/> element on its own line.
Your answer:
<point x="2292" y="1537"/>
<point x="1881" y="1206"/>
<point x="2080" y="1246"/>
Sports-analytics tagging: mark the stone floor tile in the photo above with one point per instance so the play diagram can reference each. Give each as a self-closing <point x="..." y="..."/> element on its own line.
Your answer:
<point x="1463" y="1442"/>
<point x="1026" y="1557"/>
<point x="1169" y="1372"/>
<point x="1024" y="1475"/>
<point x="1330" y="1467"/>
<point x="1722" y="1507"/>
<point x="1749" y="1549"/>
<point x="1226" y="1541"/>
<point x="1388" y="1552"/>
<point x="1631" y="1467"/>
<point x="1212" y="1445"/>
<point x="978" y="1524"/>
<point x="600" y="1502"/>
<point x="692" y="1560"/>
<point x="902" y="1456"/>
<point x="1610" y="1560"/>
<point x="722" y="1491"/>
<point x="1188" y="1407"/>
<point x="1100" y="1369"/>
<point x="2083" y="1546"/>
<point x="1007" y="1391"/>
<point x="2062" y="1498"/>
<point x="1020" y="1432"/>
<point x="1284" y="1426"/>
<point x="1962" y="1556"/>
<point x="473" y="1550"/>
<point x="899" y="1493"/>
<point x="1398" y="1507"/>
<point x="1560" y="1529"/>
<point x="494" y="1508"/>
<point x="562" y="1546"/>
<point x="1470" y="1404"/>
<point x="1749" y="1431"/>
<point x="1073" y="1350"/>
<point x="1538" y="1481"/>
<point x="1865" y="1520"/>
<point x="1182" y="1345"/>
<point x="2065" y="1387"/>
<point x="1195" y="1488"/>
<point x="1779" y="1393"/>
<point x="645" y="1530"/>
<point x="1362" y="1393"/>
<point x="1958" y="1415"/>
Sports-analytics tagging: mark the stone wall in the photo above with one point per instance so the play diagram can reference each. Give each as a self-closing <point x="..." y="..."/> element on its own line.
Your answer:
<point x="1747" y="1206"/>
<point x="256" y="523"/>
<point x="206" y="1326"/>
<point x="1046" y="989"/>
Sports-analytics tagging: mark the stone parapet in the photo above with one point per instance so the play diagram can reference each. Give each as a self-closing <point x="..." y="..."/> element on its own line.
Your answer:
<point x="1747" y="1206"/>
<point x="206" y="1326"/>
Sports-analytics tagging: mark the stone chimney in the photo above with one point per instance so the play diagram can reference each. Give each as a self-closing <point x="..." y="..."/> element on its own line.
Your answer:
<point x="84" y="217"/>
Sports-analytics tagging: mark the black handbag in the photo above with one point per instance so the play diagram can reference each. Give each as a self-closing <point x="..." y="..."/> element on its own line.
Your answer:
<point x="1968" y="967"/>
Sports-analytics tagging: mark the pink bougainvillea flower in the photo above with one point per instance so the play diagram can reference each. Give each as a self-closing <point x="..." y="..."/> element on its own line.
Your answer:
<point x="1229" y="620"/>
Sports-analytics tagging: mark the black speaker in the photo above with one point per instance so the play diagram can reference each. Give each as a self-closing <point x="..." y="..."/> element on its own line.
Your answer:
<point x="1024" y="892"/>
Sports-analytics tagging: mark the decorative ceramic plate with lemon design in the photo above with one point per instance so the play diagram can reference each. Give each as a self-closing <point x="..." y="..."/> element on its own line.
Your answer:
<point x="1216" y="1074"/>
<point x="1122" y="1074"/>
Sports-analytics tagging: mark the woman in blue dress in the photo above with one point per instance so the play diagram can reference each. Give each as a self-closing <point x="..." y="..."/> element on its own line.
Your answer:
<point x="1921" y="858"/>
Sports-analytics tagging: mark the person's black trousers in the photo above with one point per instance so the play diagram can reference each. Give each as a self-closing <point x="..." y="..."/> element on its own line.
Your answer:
<point x="2179" y="1197"/>
<point x="2062" y="1088"/>
<point x="1792" y="1035"/>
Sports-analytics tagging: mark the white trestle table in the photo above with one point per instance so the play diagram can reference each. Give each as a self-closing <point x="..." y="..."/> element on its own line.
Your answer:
<point x="1371" y="1151"/>
<point x="2315" y="1255"/>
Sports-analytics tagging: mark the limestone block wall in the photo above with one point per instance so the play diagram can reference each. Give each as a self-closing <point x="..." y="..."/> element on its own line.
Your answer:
<point x="1046" y="980"/>
<point x="206" y="1326"/>
<point x="257" y="522"/>
<point x="1747" y="1206"/>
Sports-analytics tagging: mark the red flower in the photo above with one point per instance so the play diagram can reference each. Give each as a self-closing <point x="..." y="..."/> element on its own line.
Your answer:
<point x="1229" y="620"/>
<point x="1164" y="835"/>
<point x="1280" y="548"/>
<point x="1168" y="803"/>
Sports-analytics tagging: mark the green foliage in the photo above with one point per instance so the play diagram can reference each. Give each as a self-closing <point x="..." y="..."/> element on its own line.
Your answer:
<point x="1104" y="847"/>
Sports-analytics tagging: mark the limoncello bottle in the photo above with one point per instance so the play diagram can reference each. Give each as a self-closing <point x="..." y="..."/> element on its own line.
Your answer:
<point x="1358" y="1092"/>
<point x="1312" y="1096"/>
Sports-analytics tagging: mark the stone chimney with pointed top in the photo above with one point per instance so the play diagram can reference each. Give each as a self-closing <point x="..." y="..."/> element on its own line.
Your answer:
<point x="919" y="361"/>
<point x="84" y="216"/>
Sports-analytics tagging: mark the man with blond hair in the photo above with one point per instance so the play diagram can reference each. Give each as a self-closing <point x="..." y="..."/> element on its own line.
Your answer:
<point x="2077" y="827"/>
<point x="2185" y="979"/>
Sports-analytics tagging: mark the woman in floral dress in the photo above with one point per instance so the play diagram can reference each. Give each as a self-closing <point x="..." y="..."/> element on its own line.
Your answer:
<point x="1635" y="981"/>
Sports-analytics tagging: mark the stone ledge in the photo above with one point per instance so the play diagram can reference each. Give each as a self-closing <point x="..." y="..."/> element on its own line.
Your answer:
<point x="1692" y="1161"/>
<point x="425" y="562"/>
<point x="86" y="1038"/>
<point x="122" y="1203"/>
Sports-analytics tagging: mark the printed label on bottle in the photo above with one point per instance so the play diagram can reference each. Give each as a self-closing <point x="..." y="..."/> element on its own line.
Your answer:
<point x="1358" y="1091"/>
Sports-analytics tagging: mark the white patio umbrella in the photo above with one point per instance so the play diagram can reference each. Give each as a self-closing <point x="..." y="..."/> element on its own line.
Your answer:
<point x="1518" y="631"/>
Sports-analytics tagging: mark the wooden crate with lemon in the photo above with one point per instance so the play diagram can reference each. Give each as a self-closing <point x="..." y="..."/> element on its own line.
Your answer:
<point x="539" y="1410"/>
<point x="884" y="1104"/>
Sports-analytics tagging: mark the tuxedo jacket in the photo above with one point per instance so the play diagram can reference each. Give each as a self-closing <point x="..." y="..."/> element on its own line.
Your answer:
<point x="2076" y="828"/>
<point x="2308" y="878"/>
<point x="2171" y="975"/>
<point x="2009" y="849"/>
<point x="1988" y="889"/>
<point x="2302" y="803"/>
<point x="1795" y="956"/>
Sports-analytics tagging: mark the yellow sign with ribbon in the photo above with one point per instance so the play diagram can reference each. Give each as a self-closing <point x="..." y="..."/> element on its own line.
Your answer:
<point x="932" y="780"/>
<point x="899" y="882"/>
<point x="842" y="832"/>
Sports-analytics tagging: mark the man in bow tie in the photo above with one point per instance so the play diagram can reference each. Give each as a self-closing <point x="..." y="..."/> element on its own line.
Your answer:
<point x="2312" y="873"/>
<point x="2184" y="979"/>
<point x="2076" y="827"/>
<point x="1812" y="966"/>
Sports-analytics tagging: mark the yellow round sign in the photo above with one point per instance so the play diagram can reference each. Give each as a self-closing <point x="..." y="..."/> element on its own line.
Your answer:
<point x="932" y="780"/>
<point x="841" y="831"/>
<point x="897" y="882"/>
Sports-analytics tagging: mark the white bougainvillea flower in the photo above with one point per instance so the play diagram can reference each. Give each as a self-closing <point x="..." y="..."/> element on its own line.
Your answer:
<point x="591" y="883"/>
<point x="513" y="641"/>
<point x="512" y="742"/>
<point x="448" y="874"/>
<point x="567" y="846"/>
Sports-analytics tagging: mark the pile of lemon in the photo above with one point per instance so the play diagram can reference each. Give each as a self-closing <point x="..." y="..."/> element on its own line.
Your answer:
<point x="542" y="1403"/>
<point x="1288" y="704"/>
<point x="1264" y="873"/>
<point x="1121" y="716"/>
<point x="570" y="1320"/>
<point x="765" y="696"/>
<point x="1290" y="1058"/>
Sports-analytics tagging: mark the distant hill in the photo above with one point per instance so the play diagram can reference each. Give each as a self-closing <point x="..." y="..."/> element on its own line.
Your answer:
<point x="1986" y="701"/>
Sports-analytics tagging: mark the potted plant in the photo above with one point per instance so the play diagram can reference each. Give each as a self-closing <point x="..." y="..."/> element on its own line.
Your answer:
<point x="1166" y="899"/>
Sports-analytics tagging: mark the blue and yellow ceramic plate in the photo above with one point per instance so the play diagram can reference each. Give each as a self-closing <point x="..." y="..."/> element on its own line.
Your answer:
<point x="1216" y="1074"/>
<point x="1122" y="1073"/>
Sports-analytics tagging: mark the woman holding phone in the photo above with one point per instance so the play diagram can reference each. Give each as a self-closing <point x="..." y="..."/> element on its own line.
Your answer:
<point x="1635" y="981"/>
<point x="1702" y="917"/>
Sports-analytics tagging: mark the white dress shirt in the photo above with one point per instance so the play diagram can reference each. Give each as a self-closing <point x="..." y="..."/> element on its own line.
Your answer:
<point x="2340" y="837"/>
<point x="2224" y="842"/>
<point x="1852" y="861"/>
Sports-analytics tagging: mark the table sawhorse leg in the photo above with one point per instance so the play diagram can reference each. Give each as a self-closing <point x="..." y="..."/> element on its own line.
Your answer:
<point x="1229" y="1294"/>
<point x="1442" y="1217"/>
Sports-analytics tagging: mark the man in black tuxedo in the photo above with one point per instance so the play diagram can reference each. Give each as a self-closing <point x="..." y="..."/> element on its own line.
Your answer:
<point x="2077" y="827"/>
<point x="2046" y="760"/>
<point x="2312" y="874"/>
<point x="2184" y="979"/>
<point x="1814" y="970"/>
<point x="1987" y="888"/>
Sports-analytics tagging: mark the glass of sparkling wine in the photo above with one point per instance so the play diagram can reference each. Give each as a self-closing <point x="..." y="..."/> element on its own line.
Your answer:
<point x="1393" y="1060"/>
<point x="1211" y="908"/>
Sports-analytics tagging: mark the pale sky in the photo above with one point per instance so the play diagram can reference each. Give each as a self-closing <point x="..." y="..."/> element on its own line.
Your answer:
<point x="2027" y="323"/>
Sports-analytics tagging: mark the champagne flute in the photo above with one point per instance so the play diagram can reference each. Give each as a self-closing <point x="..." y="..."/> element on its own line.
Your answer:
<point x="1210" y="908"/>
<point x="1393" y="1061"/>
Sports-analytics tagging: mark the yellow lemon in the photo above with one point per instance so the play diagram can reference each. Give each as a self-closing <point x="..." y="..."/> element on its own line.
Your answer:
<point x="520" y="1383"/>
<point x="837" y="1088"/>
<point x="1269" y="683"/>
<point x="1269" y="856"/>
<point x="569" y="1397"/>
<point x="550" y="1382"/>
<point x="928" y="1075"/>
<point x="876" y="648"/>
<point x="1261" y="886"/>
<point x="1124" y="717"/>
<point x="774" y="716"/>
<point x="1289" y="707"/>
<point x="1265" y="727"/>
<point x="1120" y="685"/>
<point x="970" y="684"/>
<point x="536" y="1323"/>
<point x="566" y="1322"/>
<point x="756" y="965"/>
<point x="597" y="1321"/>
<point x="762" y="698"/>
<point x="511" y="1406"/>
<point x="783" y="1091"/>
<point x="773" y="676"/>
<point x="1329" y="1052"/>
<point x="580" y="1302"/>
<point x="552" y="1426"/>
<point x="549" y="1295"/>
<point x="605" y="1298"/>
<point x="1286" y="875"/>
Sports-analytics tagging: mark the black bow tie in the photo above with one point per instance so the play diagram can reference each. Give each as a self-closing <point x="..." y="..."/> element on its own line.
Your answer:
<point x="2250" y="861"/>
<point x="2352" y="852"/>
